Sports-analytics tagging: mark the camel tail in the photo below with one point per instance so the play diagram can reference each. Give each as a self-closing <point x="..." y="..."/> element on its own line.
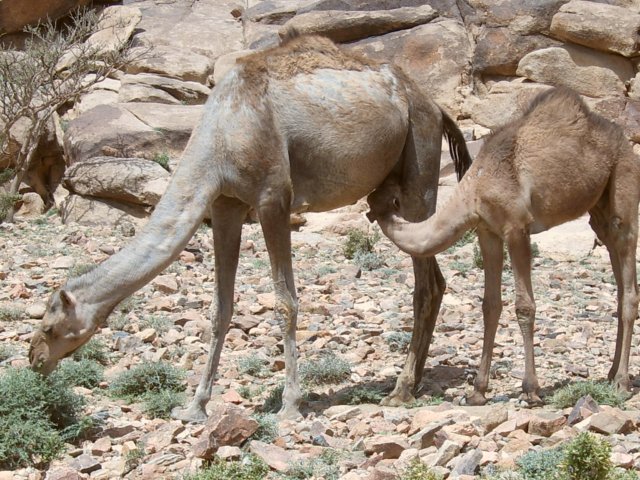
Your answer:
<point x="457" y="145"/>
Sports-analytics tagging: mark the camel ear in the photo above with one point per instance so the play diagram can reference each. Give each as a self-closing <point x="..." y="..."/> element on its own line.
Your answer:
<point x="68" y="300"/>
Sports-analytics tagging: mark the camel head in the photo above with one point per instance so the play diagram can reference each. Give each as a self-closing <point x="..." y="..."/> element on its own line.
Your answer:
<point x="63" y="331"/>
<point x="384" y="201"/>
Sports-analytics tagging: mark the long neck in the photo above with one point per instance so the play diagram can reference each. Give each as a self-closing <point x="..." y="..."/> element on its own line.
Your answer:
<point x="194" y="185"/>
<point x="438" y="232"/>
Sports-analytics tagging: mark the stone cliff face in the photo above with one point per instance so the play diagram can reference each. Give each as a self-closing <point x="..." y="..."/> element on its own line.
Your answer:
<point x="481" y="60"/>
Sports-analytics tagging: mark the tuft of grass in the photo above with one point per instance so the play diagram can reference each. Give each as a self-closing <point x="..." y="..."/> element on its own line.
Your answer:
<point x="162" y="159"/>
<point x="540" y="465"/>
<point x="368" y="260"/>
<point x="398" y="341"/>
<point x="419" y="471"/>
<point x="248" y="468"/>
<point x="361" y="394"/>
<point x="7" y="351"/>
<point x="37" y="416"/>
<point x="327" y="369"/>
<point x="252" y="365"/>
<point x="359" y="242"/>
<point x="7" y="201"/>
<point x="95" y="349"/>
<point x="159" y="404"/>
<point x="273" y="402"/>
<point x="82" y="373"/>
<point x="159" y="323"/>
<point x="147" y="377"/>
<point x="10" y="313"/>
<point x="267" y="427"/>
<point x="324" y="466"/>
<point x="602" y="392"/>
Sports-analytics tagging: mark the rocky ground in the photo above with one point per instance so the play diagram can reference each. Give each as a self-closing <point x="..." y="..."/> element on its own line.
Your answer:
<point x="345" y="310"/>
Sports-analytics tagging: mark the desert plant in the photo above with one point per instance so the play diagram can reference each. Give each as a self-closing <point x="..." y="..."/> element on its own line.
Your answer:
<point x="368" y="260"/>
<point x="602" y="392"/>
<point x="10" y="313"/>
<point x="398" y="341"/>
<point x="159" y="404"/>
<point x="162" y="159"/>
<point x="95" y="349"/>
<point x="55" y="66"/>
<point x="273" y="402"/>
<point x="586" y="456"/>
<point x="359" y="242"/>
<point x="267" y="427"/>
<point x="160" y="324"/>
<point x="361" y="394"/>
<point x="248" y="468"/>
<point x="541" y="465"/>
<point x="252" y="365"/>
<point x="147" y="377"/>
<point x="82" y="373"/>
<point x="328" y="368"/>
<point x="419" y="471"/>
<point x="6" y="351"/>
<point x="324" y="466"/>
<point x="34" y="412"/>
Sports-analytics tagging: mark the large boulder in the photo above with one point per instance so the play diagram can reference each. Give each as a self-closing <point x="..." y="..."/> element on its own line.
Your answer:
<point x="127" y="180"/>
<point x="436" y="55"/>
<point x="589" y="72"/>
<point x="347" y="26"/>
<point x="524" y="16"/>
<point x="17" y="14"/>
<point x="91" y="211"/>
<point x="186" y="38"/>
<point x="151" y="88"/>
<point x="499" y="50"/>
<point x="143" y="130"/>
<point x="599" y="26"/>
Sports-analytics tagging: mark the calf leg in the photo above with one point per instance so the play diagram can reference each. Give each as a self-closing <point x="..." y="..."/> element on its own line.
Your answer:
<point x="492" y="257"/>
<point x="520" y="253"/>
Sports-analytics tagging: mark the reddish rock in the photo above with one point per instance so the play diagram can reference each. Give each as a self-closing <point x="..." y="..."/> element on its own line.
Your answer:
<point x="227" y="425"/>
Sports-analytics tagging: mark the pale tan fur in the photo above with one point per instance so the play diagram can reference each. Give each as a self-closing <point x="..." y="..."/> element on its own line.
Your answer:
<point x="303" y="127"/>
<point x="552" y="165"/>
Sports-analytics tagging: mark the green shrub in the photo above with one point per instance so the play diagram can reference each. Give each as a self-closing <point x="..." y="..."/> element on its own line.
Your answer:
<point x="273" y="402"/>
<point x="6" y="202"/>
<point x="419" y="471"/>
<point x="267" y="427"/>
<point x="7" y="351"/>
<point x="586" y="456"/>
<point x="83" y="373"/>
<point x="159" y="404"/>
<point x="34" y="412"/>
<point x="147" y="377"/>
<point x="602" y="392"/>
<point x="252" y="365"/>
<point x="359" y="242"/>
<point x="324" y="466"/>
<point x="328" y="368"/>
<point x="541" y="465"/>
<point x="368" y="260"/>
<point x="9" y="313"/>
<point x="249" y="468"/>
<point x="95" y="349"/>
<point x="162" y="159"/>
<point x="361" y="394"/>
<point x="159" y="323"/>
<point x="398" y="341"/>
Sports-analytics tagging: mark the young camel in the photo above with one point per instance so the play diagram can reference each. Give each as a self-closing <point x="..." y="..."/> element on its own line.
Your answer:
<point x="305" y="126"/>
<point x="552" y="165"/>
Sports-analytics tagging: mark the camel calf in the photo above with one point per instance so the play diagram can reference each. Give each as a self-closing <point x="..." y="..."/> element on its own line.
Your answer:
<point x="552" y="165"/>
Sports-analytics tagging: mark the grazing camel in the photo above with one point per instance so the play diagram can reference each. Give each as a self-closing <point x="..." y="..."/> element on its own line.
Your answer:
<point x="306" y="126"/>
<point x="552" y="165"/>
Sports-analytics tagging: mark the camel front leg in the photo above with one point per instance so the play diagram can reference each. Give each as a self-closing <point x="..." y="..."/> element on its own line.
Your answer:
<point x="492" y="257"/>
<point x="427" y="297"/>
<point x="520" y="254"/>
<point x="227" y="217"/>
<point x="274" y="219"/>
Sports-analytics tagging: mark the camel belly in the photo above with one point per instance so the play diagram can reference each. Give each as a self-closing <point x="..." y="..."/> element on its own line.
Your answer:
<point x="345" y="131"/>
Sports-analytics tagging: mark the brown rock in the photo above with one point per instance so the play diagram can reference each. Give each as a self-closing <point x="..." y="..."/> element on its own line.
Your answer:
<point x="59" y="473"/>
<point x="101" y="446"/>
<point x="227" y="425"/>
<point x="85" y="464"/>
<point x="277" y="458"/>
<point x="546" y="423"/>
<point x="584" y="407"/>
<point x="16" y="14"/>
<point x="161" y="438"/>
<point x="389" y="446"/>
<point x="166" y="284"/>
<point x="611" y="421"/>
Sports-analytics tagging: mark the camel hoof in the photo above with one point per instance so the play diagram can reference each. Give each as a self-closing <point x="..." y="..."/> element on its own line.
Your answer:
<point x="532" y="399"/>
<point x="191" y="414"/>
<point x="397" y="400"/>
<point x="476" y="399"/>
<point x="622" y="384"/>
<point x="289" y="414"/>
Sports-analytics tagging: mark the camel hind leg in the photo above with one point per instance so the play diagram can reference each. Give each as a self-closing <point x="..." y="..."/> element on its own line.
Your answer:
<point x="418" y="181"/>
<point x="227" y="217"/>
<point x="615" y="221"/>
